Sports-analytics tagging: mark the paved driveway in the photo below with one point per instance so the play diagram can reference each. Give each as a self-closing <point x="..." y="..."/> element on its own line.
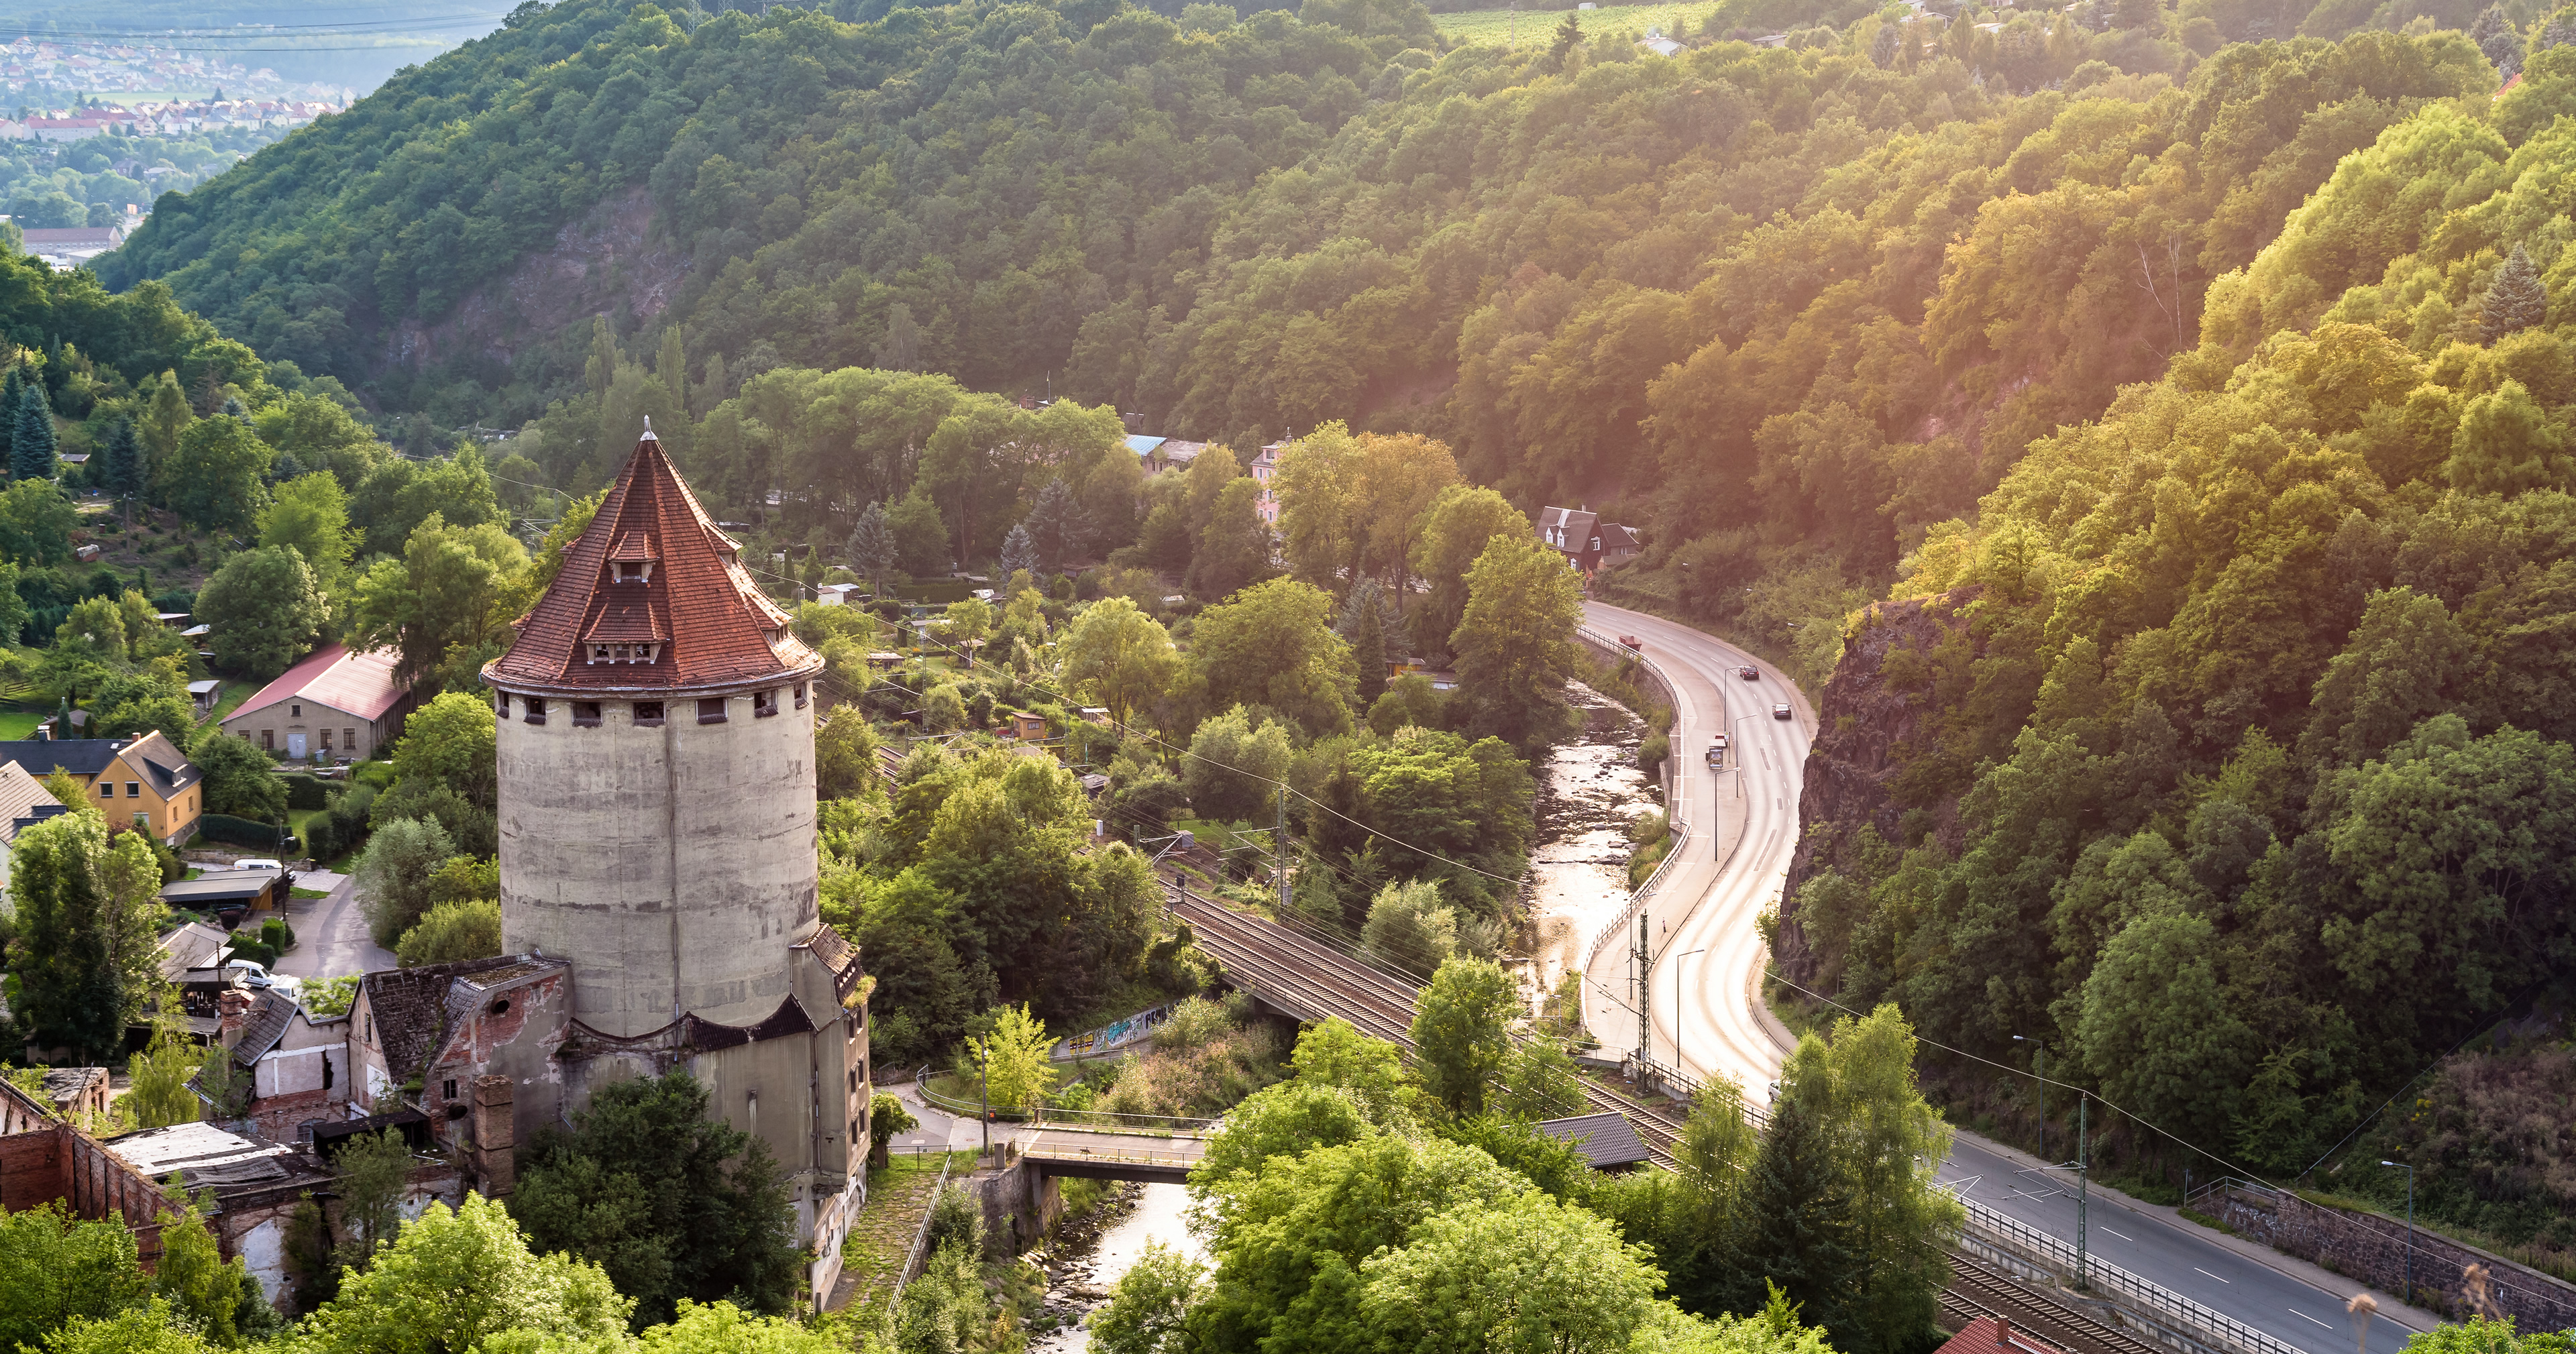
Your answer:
<point x="331" y="939"/>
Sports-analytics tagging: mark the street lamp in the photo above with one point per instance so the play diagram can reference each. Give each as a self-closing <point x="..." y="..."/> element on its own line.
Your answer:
<point x="2410" y="1225"/>
<point x="1741" y="752"/>
<point x="1677" y="1003"/>
<point x="2039" y="1087"/>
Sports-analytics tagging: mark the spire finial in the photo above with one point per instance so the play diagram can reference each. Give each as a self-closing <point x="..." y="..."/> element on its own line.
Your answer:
<point x="648" y="429"/>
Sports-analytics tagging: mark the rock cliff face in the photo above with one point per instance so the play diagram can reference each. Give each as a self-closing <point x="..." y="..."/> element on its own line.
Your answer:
<point x="607" y="259"/>
<point x="1864" y="726"/>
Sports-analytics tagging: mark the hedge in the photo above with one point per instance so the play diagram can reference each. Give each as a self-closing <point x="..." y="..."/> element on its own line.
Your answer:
<point x="223" y="827"/>
<point x="306" y="792"/>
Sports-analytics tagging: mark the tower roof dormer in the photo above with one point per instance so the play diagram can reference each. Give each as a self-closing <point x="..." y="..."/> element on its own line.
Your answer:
<point x="651" y="597"/>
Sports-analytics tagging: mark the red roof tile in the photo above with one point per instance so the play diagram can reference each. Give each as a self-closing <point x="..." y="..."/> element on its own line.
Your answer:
<point x="713" y="625"/>
<point x="362" y="684"/>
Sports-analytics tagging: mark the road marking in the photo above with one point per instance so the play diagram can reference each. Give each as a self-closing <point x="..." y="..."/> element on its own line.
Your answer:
<point x="2198" y="1270"/>
<point x="2132" y="1242"/>
<point x="2305" y="1317"/>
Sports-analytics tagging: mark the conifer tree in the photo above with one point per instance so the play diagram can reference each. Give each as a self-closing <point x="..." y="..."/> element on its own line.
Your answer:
<point x="1569" y="35"/>
<point x="871" y="546"/>
<point x="121" y="466"/>
<point x="11" y="387"/>
<point x="1804" y="1235"/>
<point x="31" y="439"/>
<point x="2517" y="299"/>
<point x="1055" y="524"/>
<point x="1019" y="553"/>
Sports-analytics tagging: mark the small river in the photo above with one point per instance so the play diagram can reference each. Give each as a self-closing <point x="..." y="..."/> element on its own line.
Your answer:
<point x="1589" y="791"/>
<point x="1083" y="1279"/>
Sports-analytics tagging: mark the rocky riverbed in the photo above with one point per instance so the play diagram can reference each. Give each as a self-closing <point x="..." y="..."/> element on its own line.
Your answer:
<point x="1590" y="790"/>
<point x="1088" y="1256"/>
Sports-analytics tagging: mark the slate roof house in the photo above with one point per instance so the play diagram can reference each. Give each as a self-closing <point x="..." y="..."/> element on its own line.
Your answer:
<point x="1583" y="538"/>
<point x="144" y="780"/>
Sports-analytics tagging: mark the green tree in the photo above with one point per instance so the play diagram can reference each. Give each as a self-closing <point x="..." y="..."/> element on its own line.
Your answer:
<point x="1273" y="645"/>
<point x="1234" y="771"/>
<point x="672" y="1202"/>
<point x="1889" y="1145"/>
<point x="1515" y="643"/>
<point x="872" y="548"/>
<point x="1278" y="1122"/>
<point x="1121" y="655"/>
<point x="1013" y="1059"/>
<point x="266" y="609"/>
<point x="1148" y="1311"/>
<point x="120" y="464"/>
<point x="158" y="1094"/>
<point x="213" y="478"/>
<point x="90" y="963"/>
<point x="1806" y="1235"/>
<point x="1530" y="1273"/>
<point x="31" y="440"/>
<point x="920" y="533"/>
<point x="845" y="755"/>
<point x="192" y="1275"/>
<point x="452" y="1280"/>
<point x="311" y="514"/>
<point x="155" y="1327"/>
<point x="240" y="779"/>
<point x="36" y="523"/>
<point x="374" y="1173"/>
<point x="394" y="873"/>
<point x="448" y="592"/>
<point x="13" y="606"/>
<point x="1409" y="928"/>
<point x="1462" y="1031"/>
<point x="966" y="622"/>
<point x="722" y="1328"/>
<point x="164" y="422"/>
<point x="56" y="1268"/>
<point x="2517" y="300"/>
<point x="449" y="742"/>
<point x="1364" y="626"/>
<point x="1234" y="546"/>
<point x="449" y="932"/>
<point x="1447" y="542"/>
<point x="887" y="1116"/>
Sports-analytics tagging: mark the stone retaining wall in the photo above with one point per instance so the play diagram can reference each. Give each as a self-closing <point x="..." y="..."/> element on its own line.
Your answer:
<point x="2376" y="1251"/>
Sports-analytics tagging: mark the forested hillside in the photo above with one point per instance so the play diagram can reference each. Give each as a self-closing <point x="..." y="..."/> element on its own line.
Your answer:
<point x="2238" y="758"/>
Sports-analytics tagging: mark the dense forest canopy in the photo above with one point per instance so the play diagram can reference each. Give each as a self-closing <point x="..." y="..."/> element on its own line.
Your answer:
<point x="2204" y="406"/>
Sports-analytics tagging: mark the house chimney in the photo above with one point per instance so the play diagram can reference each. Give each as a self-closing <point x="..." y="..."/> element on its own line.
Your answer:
<point x="494" y="1134"/>
<point x="233" y="1006"/>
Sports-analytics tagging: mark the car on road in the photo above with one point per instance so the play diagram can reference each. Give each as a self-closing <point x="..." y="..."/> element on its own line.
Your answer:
<point x="1631" y="643"/>
<point x="1781" y="710"/>
<point x="1749" y="673"/>
<point x="259" y="863"/>
<point x="1717" y="752"/>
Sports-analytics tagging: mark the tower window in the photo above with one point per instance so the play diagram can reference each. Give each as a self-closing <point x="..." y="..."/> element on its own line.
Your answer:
<point x="800" y="695"/>
<point x="536" y="710"/>
<point x="447" y="1089"/>
<point x="648" y="714"/>
<point x="711" y="710"/>
<point x="501" y="704"/>
<point x="585" y="714"/>
<point x="764" y="704"/>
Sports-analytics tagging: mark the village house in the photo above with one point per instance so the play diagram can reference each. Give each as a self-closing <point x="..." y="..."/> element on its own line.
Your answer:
<point x="333" y="704"/>
<point x="140" y="780"/>
<point x="1583" y="538"/>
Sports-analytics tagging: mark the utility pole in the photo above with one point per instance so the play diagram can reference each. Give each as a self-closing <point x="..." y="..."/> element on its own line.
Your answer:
<point x="1643" y="998"/>
<point x="2083" y="1152"/>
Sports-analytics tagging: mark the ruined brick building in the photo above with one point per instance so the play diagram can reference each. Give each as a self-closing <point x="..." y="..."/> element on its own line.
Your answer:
<point x="658" y="873"/>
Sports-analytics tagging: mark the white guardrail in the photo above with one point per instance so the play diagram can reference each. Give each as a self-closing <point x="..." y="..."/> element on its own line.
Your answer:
<point x="1681" y="831"/>
<point x="2159" y="1311"/>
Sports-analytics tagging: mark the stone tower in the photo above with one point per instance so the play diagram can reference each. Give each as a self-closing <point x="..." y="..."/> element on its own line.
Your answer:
<point x="656" y="759"/>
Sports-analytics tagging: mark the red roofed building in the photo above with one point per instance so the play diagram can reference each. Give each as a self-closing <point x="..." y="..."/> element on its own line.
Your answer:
<point x="1994" y="1335"/>
<point x="337" y="702"/>
<point x="655" y="756"/>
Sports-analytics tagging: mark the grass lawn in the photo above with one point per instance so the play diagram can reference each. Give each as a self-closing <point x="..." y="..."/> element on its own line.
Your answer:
<point x="229" y="697"/>
<point x="881" y="1236"/>
<point x="1537" y="27"/>
<point x="16" y="724"/>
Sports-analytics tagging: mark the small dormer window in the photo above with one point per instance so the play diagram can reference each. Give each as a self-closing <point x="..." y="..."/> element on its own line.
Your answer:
<point x="599" y="652"/>
<point x="630" y="571"/>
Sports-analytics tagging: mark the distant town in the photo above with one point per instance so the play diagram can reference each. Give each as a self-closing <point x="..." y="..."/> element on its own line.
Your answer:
<point x="35" y="75"/>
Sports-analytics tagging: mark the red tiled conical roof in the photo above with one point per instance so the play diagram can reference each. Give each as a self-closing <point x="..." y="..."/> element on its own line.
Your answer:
<point x="695" y="609"/>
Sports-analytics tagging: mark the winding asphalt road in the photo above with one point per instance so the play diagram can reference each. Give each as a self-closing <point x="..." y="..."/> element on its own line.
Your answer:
<point x="1701" y="932"/>
<point x="1705" y="951"/>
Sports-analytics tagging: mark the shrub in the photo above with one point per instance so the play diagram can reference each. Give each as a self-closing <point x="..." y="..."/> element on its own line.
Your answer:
<point x="306" y="792"/>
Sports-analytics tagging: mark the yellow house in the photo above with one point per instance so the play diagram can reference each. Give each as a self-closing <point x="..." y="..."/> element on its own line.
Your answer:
<point x="141" y="780"/>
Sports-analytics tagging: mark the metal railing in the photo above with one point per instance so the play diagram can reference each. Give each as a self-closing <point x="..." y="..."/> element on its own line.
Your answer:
<point x="2159" y="1311"/>
<point x="1159" y="1125"/>
<point x="1114" y="1156"/>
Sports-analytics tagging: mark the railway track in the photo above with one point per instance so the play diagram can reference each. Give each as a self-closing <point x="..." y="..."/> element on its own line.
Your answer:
<point x="1977" y="1290"/>
<point x="1309" y="973"/>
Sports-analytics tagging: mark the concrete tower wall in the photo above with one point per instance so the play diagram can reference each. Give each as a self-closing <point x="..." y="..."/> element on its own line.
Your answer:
<point x="672" y="864"/>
